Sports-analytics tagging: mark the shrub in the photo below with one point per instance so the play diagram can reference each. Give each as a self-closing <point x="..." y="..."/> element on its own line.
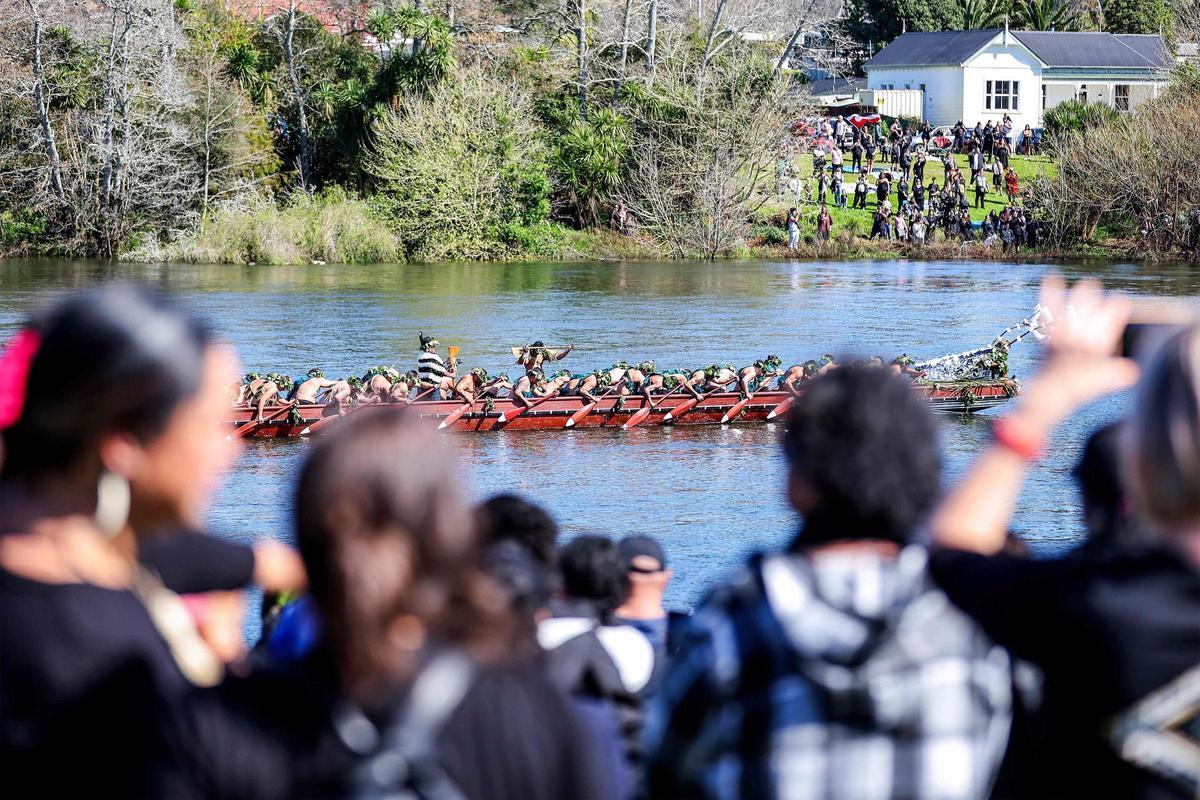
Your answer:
<point x="333" y="226"/>
<point x="456" y="168"/>
<point x="1075" y="115"/>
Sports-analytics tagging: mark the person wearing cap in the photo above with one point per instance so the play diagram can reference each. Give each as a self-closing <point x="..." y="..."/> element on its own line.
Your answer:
<point x="758" y="374"/>
<point x="647" y="576"/>
<point x="430" y="367"/>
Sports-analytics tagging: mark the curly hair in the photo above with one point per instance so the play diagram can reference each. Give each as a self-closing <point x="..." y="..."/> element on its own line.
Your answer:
<point x="866" y="445"/>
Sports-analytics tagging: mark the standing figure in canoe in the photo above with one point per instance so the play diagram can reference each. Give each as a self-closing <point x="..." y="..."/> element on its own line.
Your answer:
<point x="306" y="388"/>
<point x="534" y="356"/>
<point x="433" y="370"/>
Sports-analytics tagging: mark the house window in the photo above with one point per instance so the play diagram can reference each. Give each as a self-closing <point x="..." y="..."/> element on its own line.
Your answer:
<point x="1002" y="96"/>
<point x="1121" y="97"/>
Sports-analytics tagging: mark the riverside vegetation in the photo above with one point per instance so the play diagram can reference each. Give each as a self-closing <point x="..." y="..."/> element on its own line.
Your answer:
<point x="293" y="131"/>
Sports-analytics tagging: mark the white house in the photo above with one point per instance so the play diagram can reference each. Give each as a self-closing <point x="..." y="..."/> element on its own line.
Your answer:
<point x="979" y="75"/>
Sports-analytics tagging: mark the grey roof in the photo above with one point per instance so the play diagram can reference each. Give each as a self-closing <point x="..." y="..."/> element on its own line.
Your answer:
<point x="928" y="49"/>
<point x="1054" y="48"/>
<point x="835" y="86"/>
<point x="1089" y="49"/>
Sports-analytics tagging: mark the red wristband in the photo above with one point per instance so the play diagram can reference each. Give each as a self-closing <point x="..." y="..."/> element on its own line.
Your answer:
<point x="1011" y="435"/>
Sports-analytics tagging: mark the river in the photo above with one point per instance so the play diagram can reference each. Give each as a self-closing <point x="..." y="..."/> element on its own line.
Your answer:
<point x="710" y="494"/>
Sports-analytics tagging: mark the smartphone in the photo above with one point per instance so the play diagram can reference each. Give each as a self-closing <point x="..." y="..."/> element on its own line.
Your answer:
<point x="1151" y="325"/>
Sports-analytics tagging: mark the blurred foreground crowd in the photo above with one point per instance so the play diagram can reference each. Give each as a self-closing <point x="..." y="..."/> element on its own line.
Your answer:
<point x="903" y="645"/>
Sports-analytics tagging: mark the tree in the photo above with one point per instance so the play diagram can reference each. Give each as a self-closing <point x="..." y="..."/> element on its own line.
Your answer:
<point x="287" y="25"/>
<point x="1046" y="15"/>
<point x="877" y="22"/>
<point x="978" y="14"/>
<point x="460" y="169"/>
<point x="1137" y="16"/>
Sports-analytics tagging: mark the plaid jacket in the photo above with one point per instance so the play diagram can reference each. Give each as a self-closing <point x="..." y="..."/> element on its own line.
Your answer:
<point x="848" y="678"/>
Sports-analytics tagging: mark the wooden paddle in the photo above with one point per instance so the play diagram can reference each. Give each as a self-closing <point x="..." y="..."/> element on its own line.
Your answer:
<point x="509" y="416"/>
<point x="454" y="415"/>
<point x="587" y="408"/>
<point x="737" y="407"/>
<point x="645" y="410"/>
<point x="241" y="432"/>
<point x="325" y="422"/>
<point x="686" y="406"/>
<point x="782" y="408"/>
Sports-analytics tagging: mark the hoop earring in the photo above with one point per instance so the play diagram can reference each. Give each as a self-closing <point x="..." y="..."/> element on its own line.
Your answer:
<point x="112" y="503"/>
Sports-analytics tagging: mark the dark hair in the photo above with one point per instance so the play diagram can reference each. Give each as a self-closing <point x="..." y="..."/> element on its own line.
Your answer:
<point x="511" y="518"/>
<point x="866" y="444"/>
<point x="526" y="583"/>
<point x="130" y="355"/>
<point x="384" y="533"/>
<point x="1098" y="473"/>
<point x="591" y="569"/>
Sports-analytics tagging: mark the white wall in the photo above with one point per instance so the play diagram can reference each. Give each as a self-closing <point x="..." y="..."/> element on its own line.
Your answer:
<point x="1011" y="62"/>
<point x="943" y="88"/>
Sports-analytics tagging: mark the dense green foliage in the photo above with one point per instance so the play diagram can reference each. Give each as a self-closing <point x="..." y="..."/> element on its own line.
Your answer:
<point x="1137" y="16"/>
<point x="1075" y="115"/>
<point x="877" y="22"/>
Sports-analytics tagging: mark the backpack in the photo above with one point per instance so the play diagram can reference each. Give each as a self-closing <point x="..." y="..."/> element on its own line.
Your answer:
<point x="401" y="760"/>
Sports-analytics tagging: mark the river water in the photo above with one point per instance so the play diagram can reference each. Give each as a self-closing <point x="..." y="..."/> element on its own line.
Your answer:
<point x="710" y="494"/>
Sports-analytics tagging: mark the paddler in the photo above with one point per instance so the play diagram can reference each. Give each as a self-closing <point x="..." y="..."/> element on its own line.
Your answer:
<point x="601" y="381"/>
<point x="377" y="384"/>
<point x="270" y="390"/>
<point x="533" y="356"/>
<point x="714" y="377"/>
<point x="338" y="397"/>
<point x="477" y="384"/>
<point x="826" y="363"/>
<point x="403" y="387"/>
<point x="637" y="380"/>
<point x="306" y="388"/>
<point x="758" y="375"/>
<point x="531" y="385"/>
<point x="671" y="379"/>
<point x="248" y="389"/>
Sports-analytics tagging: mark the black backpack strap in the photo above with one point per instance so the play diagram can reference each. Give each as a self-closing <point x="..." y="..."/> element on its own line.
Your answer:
<point x="401" y="760"/>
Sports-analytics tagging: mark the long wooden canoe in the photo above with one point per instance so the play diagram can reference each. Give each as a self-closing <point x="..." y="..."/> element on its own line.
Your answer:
<point x="553" y="413"/>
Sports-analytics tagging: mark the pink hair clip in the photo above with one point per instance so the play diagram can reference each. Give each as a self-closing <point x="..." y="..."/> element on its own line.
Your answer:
<point x="15" y="362"/>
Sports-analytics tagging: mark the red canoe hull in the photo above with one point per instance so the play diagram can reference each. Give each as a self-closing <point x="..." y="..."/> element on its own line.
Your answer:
<point x="553" y="413"/>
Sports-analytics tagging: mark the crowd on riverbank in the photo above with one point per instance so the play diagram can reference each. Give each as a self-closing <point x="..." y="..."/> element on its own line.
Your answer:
<point x="887" y="177"/>
<point x="418" y="646"/>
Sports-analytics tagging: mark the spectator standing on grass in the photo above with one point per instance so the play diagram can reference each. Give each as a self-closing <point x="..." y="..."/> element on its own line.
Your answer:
<point x="1012" y="186"/>
<point x="822" y="186"/>
<point x="901" y="228"/>
<point x="980" y="188"/>
<point x="883" y="188"/>
<point x="918" y="229"/>
<point x="818" y="160"/>
<point x="1116" y="631"/>
<point x="837" y="668"/>
<point x="976" y="161"/>
<point x="997" y="176"/>
<point x="860" y="191"/>
<point x="989" y="134"/>
<point x="902" y="191"/>
<point x="836" y="158"/>
<point x="869" y="145"/>
<point x="793" y="229"/>
<point x="919" y="166"/>
<point x="856" y="154"/>
<point x="824" y="224"/>
<point x="839" y="196"/>
<point x="958" y="130"/>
